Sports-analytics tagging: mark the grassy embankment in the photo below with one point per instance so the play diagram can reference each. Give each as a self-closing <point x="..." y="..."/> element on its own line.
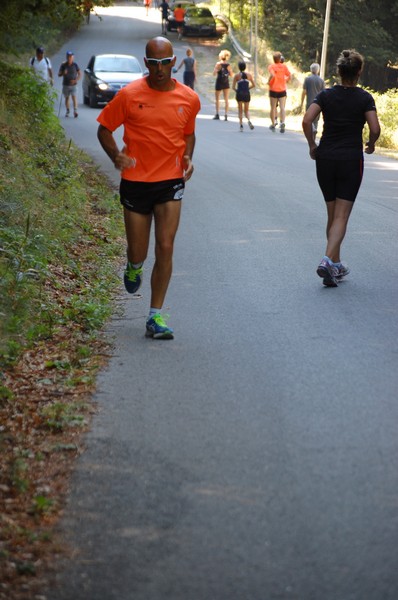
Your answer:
<point x="61" y="239"/>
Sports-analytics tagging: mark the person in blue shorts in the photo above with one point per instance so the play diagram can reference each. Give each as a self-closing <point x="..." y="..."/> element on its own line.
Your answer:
<point x="339" y="157"/>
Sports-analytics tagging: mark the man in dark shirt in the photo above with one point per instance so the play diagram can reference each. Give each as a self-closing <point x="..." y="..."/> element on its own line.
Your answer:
<point x="164" y="7"/>
<point x="71" y="74"/>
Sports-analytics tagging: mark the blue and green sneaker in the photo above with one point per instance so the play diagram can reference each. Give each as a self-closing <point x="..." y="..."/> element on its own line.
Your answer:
<point x="133" y="278"/>
<point x="156" y="328"/>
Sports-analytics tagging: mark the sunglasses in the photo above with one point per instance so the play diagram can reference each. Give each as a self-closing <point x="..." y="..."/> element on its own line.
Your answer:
<point x="154" y="62"/>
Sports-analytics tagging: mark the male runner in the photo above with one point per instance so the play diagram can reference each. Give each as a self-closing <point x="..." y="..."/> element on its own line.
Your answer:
<point x="158" y="114"/>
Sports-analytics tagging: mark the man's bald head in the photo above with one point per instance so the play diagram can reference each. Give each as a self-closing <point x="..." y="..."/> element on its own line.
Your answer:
<point x="158" y="47"/>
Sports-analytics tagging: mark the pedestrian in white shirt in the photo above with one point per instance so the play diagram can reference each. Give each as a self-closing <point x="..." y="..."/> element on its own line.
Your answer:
<point x="42" y="65"/>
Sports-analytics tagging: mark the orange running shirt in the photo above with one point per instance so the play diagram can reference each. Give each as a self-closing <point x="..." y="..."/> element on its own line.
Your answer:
<point x="155" y="126"/>
<point x="179" y="14"/>
<point x="281" y="73"/>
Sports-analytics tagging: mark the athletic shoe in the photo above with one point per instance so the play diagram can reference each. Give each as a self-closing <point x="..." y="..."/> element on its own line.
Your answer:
<point x="282" y="128"/>
<point x="133" y="278"/>
<point x="216" y="117"/>
<point x="75" y="114"/>
<point x="67" y="113"/>
<point x="156" y="328"/>
<point x="328" y="272"/>
<point x="342" y="271"/>
<point x="250" y="124"/>
<point x="272" y="127"/>
<point x="226" y="118"/>
<point x="241" y="128"/>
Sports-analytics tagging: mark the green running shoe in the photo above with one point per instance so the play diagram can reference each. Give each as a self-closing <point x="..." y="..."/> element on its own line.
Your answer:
<point x="156" y="328"/>
<point x="133" y="278"/>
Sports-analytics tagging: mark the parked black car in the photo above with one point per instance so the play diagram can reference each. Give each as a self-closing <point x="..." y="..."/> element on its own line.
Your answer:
<point x="106" y="74"/>
<point x="199" y="21"/>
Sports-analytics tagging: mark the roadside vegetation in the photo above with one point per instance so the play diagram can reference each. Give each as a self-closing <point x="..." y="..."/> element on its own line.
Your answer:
<point x="60" y="238"/>
<point x="286" y="39"/>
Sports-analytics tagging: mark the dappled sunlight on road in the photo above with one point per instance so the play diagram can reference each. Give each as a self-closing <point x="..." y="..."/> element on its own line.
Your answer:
<point x="129" y="12"/>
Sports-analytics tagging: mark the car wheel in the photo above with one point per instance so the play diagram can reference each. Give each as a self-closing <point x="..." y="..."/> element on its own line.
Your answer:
<point x="93" y="100"/>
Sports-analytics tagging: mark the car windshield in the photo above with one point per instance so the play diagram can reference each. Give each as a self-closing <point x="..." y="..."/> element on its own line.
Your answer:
<point x="118" y="64"/>
<point x="198" y="12"/>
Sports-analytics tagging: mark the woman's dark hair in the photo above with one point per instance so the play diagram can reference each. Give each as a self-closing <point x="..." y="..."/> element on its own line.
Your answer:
<point x="349" y="64"/>
<point x="242" y="66"/>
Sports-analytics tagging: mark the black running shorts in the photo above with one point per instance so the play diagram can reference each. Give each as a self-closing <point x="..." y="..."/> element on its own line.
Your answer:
<point x="339" y="178"/>
<point x="141" y="196"/>
<point x="277" y="94"/>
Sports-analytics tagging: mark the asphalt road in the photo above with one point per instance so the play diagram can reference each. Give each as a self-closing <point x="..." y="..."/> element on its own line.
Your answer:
<point x="254" y="457"/>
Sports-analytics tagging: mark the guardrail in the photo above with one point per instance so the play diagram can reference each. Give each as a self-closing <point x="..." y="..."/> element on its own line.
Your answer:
<point x="246" y="56"/>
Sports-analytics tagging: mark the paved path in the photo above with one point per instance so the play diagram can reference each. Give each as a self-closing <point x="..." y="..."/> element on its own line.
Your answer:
<point x="255" y="456"/>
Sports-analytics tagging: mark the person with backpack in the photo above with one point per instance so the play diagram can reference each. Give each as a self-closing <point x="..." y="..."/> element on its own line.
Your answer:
<point x="242" y="84"/>
<point x="222" y="72"/>
<point x="41" y="65"/>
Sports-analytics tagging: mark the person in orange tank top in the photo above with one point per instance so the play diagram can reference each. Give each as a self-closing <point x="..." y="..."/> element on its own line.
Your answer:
<point x="279" y="75"/>
<point x="158" y="115"/>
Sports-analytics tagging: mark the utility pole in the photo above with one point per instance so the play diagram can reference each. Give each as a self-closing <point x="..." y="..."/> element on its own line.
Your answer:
<point x="251" y="28"/>
<point x="325" y="38"/>
<point x="256" y="42"/>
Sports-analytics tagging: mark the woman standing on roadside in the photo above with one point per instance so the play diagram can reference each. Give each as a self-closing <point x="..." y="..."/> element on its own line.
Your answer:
<point x="223" y="72"/>
<point x="339" y="157"/>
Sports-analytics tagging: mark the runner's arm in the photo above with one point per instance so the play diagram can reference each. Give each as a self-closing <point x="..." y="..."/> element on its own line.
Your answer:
<point x="374" y="130"/>
<point x="188" y="153"/>
<point x="107" y="141"/>
<point x="310" y="115"/>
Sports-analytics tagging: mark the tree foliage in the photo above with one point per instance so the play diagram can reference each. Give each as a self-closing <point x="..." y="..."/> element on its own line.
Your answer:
<point x="296" y="28"/>
<point x="35" y="17"/>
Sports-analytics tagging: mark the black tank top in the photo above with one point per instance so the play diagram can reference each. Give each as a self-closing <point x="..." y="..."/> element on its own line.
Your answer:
<point x="243" y="84"/>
